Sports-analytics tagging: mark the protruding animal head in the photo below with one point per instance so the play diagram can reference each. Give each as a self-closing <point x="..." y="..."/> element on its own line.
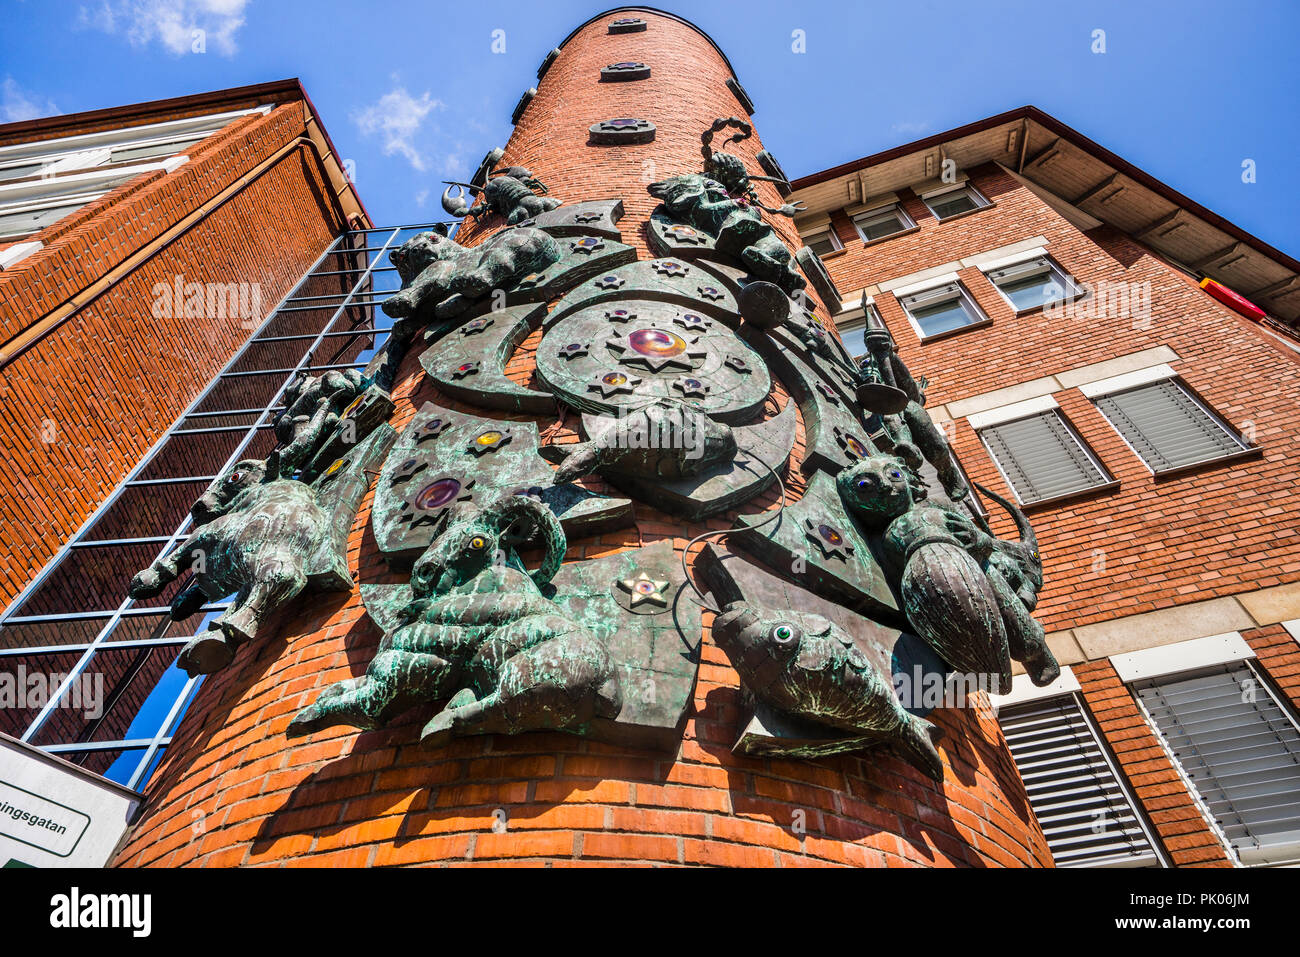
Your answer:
<point x="744" y="634"/>
<point x="470" y="546"/>
<point x="879" y="488"/>
<point x="413" y="256"/>
<point x="222" y="493"/>
<point x="1023" y="553"/>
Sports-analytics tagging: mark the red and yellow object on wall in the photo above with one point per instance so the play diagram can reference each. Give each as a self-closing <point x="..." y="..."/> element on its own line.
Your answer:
<point x="1233" y="301"/>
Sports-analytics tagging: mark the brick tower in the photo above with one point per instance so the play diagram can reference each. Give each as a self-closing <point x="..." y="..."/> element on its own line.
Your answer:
<point x="235" y="790"/>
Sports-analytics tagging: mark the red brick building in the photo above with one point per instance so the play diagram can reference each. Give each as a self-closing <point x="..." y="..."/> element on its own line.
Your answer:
<point x="1047" y="290"/>
<point x="1051" y="293"/>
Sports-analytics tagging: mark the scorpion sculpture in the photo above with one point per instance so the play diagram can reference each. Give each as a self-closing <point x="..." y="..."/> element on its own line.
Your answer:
<point x="722" y="203"/>
<point x="479" y="630"/>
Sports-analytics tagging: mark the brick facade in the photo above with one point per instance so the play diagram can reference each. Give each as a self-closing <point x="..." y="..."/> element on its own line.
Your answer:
<point x="72" y="429"/>
<point x="234" y="791"/>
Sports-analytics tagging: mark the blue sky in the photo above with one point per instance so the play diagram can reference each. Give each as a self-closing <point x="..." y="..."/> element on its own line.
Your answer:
<point x="412" y="93"/>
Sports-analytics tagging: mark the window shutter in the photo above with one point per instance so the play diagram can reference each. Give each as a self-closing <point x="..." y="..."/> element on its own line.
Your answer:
<point x="1041" y="457"/>
<point x="1082" y="806"/>
<point x="1166" y="426"/>
<point x="1241" y="752"/>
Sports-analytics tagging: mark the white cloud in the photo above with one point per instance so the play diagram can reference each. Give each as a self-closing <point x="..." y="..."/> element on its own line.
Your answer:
<point x="397" y="117"/>
<point x="174" y="23"/>
<point x="17" y="104"/>
<point x="907" y="128"/>
<point x="421" y="198"/>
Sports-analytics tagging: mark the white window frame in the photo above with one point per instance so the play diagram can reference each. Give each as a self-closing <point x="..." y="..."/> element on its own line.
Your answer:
<point x="1032" y="266"/>
<point x="827" y="233"/>
<point x="88" y="150"/>
<point x="945" y="289"/>
<point x="905" y="222"/>
<point x="1029" y="409"/>
<point x="31" y="196"/>
<point x="1144" y="377"/>
<point x="967" y="186"/>
<point x="1187" y="659"/>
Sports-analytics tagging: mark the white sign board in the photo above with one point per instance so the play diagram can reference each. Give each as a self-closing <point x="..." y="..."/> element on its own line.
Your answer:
<point x="55" y="814"/>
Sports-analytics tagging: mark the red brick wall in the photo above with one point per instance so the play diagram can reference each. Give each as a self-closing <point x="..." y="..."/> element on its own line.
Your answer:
<point x="111" y="378"/>
<point x="233" y="790"/>
<point x="1218" y="530"/>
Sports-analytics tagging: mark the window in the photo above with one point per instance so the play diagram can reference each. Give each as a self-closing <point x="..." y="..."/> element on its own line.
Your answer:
<point x="1033" y="283"/>
<point x="942" y="309"/>
<point x="823" y="243"/>
<point x="1083" y="806"/>
<point x="1167" y="427"/>
<point x="854" y="336"/>
<point x="1041" y="457"/>
<point x="879" y="223"/>
<point x="31" y="206"/>
<point x="1239" y="748"/>
<point x="954" y="202"/>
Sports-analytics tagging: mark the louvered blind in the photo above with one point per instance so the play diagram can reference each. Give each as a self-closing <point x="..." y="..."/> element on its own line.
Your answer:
<point x="1166" y="426"/>
<point x="1041" y="457"/>
<point x="1082" y="807"/>
<point x="1241" y="752"/>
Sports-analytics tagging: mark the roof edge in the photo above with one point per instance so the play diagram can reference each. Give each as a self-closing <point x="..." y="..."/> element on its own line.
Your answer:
<point x="1072" y="135"/>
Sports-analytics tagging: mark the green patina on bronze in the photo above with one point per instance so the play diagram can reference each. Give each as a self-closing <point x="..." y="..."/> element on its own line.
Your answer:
<point x="262" y="538"/>
<point x="510" y="192"/>
<point x="938" y="561"/>
<point x="447" y="463"/>
<point x="478" y="634"/>
<point x="822" y="678"/>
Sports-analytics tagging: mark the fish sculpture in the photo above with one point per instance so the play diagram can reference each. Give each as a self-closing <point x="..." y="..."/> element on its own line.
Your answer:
<point x="807" y="666"/>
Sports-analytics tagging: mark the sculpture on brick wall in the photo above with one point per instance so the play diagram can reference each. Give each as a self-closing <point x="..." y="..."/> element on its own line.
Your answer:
<point x="262" y="538"/>
<point x="441" y="278"/>
<point x="510" y="192"/>
<point x="939" y="559"/>
<point x="721" y="202"/>
<point x="479" y="632"/>
<point x="313" y="407"/>
<point x="806" y="666"/>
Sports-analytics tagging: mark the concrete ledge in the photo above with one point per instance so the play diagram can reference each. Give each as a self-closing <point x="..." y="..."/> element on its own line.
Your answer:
<point x="1200" y="619"/>
<point x="1117" y="366"/>
<point x="1000" y="397"/>
<point x="1268" y="606"/>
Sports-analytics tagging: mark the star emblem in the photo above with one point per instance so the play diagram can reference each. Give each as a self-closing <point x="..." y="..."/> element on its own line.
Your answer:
<point x="828" y="393"/>
<point x="692" y="323"/>
<point x="574" y="349"/>
<point x="853" y="446"/>
<point x="685" y="234"/>
<point x="614" y="383"/>
<point x="690" y="387"/>
<point x="587" y="245"/>
<point x="670" y="267"/>
<point x="655" y="349"/>
<point x="587" y="218"/>
<point x="610" y="282"/>
<point x="625" y="66"/>
<point x="709" y="292"/>
<point x="429" y="430"/>
<point x="737" y="363"/>
<point x="465" y="369"/>
<point x="488" y="441"/>
<point x="619" y="315"/>
<point x="476" y="325"/>
<point x="624" y="123"/>
<point x="643" y="588"/>
<point x="830" y="538"/>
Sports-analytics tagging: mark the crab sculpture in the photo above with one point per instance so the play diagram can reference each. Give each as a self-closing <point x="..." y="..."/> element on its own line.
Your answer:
<point x="511" y="192"/>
